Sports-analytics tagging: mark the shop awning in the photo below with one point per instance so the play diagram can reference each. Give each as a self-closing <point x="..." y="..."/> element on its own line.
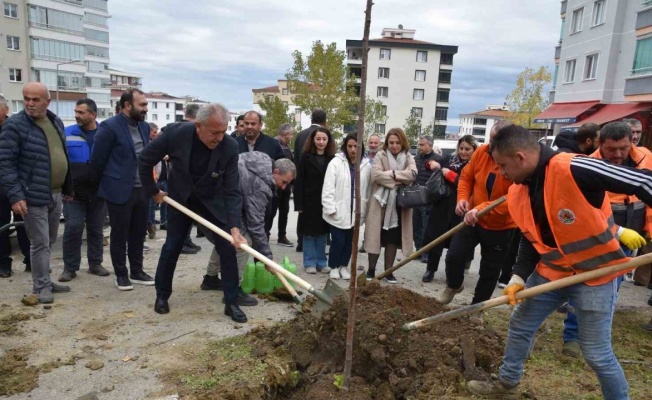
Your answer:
<point x="614" y="112"/>
<point x="564" y="113"/>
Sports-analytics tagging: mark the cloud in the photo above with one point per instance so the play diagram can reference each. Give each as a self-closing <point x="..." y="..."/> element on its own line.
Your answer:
<point x="221" y="50"/>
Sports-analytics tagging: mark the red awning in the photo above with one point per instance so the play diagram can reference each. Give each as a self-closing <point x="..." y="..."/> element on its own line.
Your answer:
<point x="564" y="113"/>
<point x="613" y="112"/>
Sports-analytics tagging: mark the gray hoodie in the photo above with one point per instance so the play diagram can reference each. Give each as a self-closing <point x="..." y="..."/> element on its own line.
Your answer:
<point x="256" y="184"/>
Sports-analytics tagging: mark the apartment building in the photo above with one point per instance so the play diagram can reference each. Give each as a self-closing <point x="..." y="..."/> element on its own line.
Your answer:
<point x="62" y="43"/>
<point x="281" y="91"/>
<point x="603" y="64"/>
<point x="122" y="80"/>
<point x="479" y="123"/>
<point x="407" y="76"/>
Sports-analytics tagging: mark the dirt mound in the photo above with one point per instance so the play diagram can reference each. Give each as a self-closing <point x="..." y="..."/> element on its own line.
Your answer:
<point x="388" y="363"/>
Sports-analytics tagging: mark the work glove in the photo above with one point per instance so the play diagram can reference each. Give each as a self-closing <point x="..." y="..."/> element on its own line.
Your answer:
<point x="630" y="238"/>
<point x="515" y="285"/>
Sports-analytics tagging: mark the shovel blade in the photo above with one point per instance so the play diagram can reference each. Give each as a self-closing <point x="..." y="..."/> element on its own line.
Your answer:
<point x="332" y="290"/>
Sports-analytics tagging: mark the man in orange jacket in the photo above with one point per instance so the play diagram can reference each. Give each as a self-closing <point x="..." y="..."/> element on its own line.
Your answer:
<point x="479" y="185"/>
<point x="559" y="203"/>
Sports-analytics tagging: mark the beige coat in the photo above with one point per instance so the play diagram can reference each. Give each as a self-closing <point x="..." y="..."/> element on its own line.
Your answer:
<point x="381" y="175"/>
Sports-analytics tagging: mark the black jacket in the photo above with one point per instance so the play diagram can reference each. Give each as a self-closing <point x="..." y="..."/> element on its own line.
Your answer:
<point x="264" y="144"/>
<point x="307" y="195"/>
<point x="422" y="172"/>
<point x="301" y="140"/>
<point x="566" y="143"/>
<point x="218" y="190"/>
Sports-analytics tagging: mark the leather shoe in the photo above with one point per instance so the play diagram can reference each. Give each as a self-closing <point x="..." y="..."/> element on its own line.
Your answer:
<point x="161" y="306"/>
<point x="235" y="313"/>
<point x="244" y="300"/>
<point x="428" y="276"/>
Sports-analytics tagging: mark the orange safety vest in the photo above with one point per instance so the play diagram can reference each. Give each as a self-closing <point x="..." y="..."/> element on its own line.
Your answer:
<point x="642" y="158"/>
<point x="585" y="235"/>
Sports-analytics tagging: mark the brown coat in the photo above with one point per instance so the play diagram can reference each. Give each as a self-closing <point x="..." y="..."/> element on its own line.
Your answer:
<point x="381" y="175"/>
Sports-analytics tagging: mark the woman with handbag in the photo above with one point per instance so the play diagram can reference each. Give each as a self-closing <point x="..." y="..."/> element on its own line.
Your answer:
<point x="388" y="225"/>
<point x="318" y="151"/>
<point x="338" y="201"/>
<point x="442" y="215"/>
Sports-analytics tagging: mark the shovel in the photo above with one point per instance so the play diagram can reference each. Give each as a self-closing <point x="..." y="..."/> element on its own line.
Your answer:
<point x="9" y="225"/>
<point x="437" y="241"/>
<point x="531" y="292"/>
<point x="331" y="291"/>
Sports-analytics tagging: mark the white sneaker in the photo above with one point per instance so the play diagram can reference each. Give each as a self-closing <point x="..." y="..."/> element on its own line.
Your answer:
<point x="311" y="270"/>
<point x="502" y="285"/>
<point x="335" y="273"/>
<point x="325" y="270"/>
<point x="344" y="272"/>
<point x="629" y="277"/>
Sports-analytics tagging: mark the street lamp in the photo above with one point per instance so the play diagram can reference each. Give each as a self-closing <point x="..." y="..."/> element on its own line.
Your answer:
<point x="67" y="62"/>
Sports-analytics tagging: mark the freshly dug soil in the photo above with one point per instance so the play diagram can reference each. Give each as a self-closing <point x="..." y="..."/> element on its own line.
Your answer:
<point x="387" y="362"/>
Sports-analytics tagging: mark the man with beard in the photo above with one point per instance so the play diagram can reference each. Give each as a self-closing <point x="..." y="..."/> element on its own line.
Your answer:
<point x="636" y="128"/>
<point x="118" y="142"/>
<point x="86" y="209"/>
<point x="373" y="145"/>
<point x="585" y="141"/>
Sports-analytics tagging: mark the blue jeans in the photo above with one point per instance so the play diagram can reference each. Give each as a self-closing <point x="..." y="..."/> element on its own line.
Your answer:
<point x="595" y="309"/>
<point x="80" y="214"/>
<point x="339" y="254"/>
<point x="419" y="224"/>
<point x="314" y="251"/>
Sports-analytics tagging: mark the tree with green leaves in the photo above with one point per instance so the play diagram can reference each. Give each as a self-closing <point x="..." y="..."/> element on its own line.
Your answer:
<point x="412" y="128"/>
<point x="322" y="80"/>
<point x="374" y="114"/>
<point x="276" y="114"/>
<point x="527" y="100"/>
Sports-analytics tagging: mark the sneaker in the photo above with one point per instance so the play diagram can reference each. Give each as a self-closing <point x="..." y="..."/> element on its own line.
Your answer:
<point x="311" y="270"/>
<point x="67" y="276"/>
<point x="571" y="349"/>
<point x="299" y="248"/>
<point x="5" y="272"/>
<point x="362" y="250"/>
<point x="493" y="388"/>
<point x="283" y="241"/>
<point x="629" y="277"/>
<point x="371" y="274"/>
<point x="163" y="227"/>
<point x="123" y="283"/>
<point x="189" y="243"/>
<point x="151" y="231"/>
<point x="60" y="288"/>
<point x="98" y="270"/>
<point x="502" y="285"/>
<point x="45" y="296"/>
<point x="142" y="278"/>
<point x="325" y="270"/>
<point x="211" y="283"/>
<point x="28" y="268"/>
<point x="335" y="273"/>
<point x="344" y="272"/>
<point x="360" y="267"/>
<point x="145" y="247"/>
<point x="391" y="279"/>
<point x="448" y="294"/>
<point x="189" y="250"/>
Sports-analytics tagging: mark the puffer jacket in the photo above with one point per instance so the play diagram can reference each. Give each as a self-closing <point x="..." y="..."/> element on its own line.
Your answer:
<point x="84" y="180"/>
<point x="336" y="192"/>
<point x="25" y="160"/>
<point x="256" y="183"/>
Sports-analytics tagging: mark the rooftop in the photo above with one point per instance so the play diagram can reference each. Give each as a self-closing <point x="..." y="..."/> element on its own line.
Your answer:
<point x="491" y="113"/>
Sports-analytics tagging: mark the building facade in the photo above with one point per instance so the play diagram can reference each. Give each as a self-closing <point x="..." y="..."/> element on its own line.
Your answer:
<point x="603" y="63"/>
<point x="407" y="76"/>
<point x="283" y="93"/>
<point x="479" y="123"/>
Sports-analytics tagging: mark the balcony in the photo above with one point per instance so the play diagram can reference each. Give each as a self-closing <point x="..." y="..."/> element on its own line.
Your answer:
<point x="557" y="52"/>
<point x="564" y="4"/>
<point x="56" y="28"/>
<point x="644" y="17"/>
<point x="77" y="3"/>
<point x="639" y="85"/>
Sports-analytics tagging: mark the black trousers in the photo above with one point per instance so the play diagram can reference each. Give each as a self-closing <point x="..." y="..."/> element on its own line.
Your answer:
<point x="128" y="228"/>
<point x="493" y="252"/>
<point x="178" y="225"/>
<point x="510" y="259"/>
<point x="5" y="241"/>
<point x="280" y="203"/>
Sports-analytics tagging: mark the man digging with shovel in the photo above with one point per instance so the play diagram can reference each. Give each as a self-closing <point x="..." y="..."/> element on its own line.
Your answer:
<point x="560" y="205"/>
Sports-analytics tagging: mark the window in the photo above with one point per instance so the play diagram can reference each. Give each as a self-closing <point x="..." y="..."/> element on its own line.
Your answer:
<point x="154" y="105"/>
<point x="15" y="75"/>
<point x="563" y="28"/>
<point x="444" y="76"/>
<point x="385" y="54"/>
<point x="99" y="36"/>
<point x="554" y="77"/>
<point x="285" y="92"/>
<point x="478" y="132"/>
<point x="383" y="73"/>
<point x="97" y="51"/>
<point x="441" y="114"/>
<point x="48" y="18"/>
<point x="422" y="56"/>
<point x="97" y="82"/>
<point x="11" y="10"/>
<point x="94" y="19"/>
<point x="383" y="91"/>
<point x="384" y="110"/>
<point x="92" y="66"/>
<point x="417" y="112"/>
<point x="270" y="97"/>
<point x="569" y="72"/>
<point x="167" y="117"/>
<point x="590" y="66"/>
<point x="379" y="128"/>
<point x="13" y="43"/>
<point x="576" y="22"/>
<point x="54" y="50"/>
<point x="643" y="57"/>
<point x="599" y="13"/>
<point x="16" y="106"/>
<point x="99" y="97"/>
<point x="446" y="59"/>
<point x="420" y="75"/>
<point x="443" y="95"/>
<point x="154" y="117"/>
<point x="285" y="103"/>
<point x="418" y="94"/>
<point x="480" y="121"/>
<point x="66" y="80"/>
<point x="99" y="4"/>
<point x="167" y="105"/>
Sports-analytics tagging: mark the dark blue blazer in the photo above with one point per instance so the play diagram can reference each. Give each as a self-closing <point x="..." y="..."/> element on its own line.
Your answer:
<point x="113" y="157"/>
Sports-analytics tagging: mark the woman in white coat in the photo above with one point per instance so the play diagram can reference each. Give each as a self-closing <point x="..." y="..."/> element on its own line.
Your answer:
<point x="338" y="202"/>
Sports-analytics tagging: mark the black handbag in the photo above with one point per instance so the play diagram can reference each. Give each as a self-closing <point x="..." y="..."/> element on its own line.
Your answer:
<point x="411" y="196"/>
<point x="437" y="188"/>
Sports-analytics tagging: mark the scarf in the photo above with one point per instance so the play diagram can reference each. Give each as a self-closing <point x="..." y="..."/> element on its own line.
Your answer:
<point x="456" y="164"/>
<point x="386" y="196"/>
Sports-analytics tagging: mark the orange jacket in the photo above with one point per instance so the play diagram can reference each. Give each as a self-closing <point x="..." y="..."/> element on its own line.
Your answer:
<point x="642" y="159"/>
<point x="473" y="188"/>
<point x="585" y="236"/>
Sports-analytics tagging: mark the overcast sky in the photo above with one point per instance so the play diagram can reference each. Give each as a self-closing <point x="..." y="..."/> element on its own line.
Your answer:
<point x="220" y="50"/>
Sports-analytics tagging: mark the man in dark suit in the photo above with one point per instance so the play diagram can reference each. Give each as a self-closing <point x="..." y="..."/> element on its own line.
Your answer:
<point x="318" y="118"/>
<point x="239" y="127"/>
<point x="204" y="178"/>
<point x="118" y="142"/>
